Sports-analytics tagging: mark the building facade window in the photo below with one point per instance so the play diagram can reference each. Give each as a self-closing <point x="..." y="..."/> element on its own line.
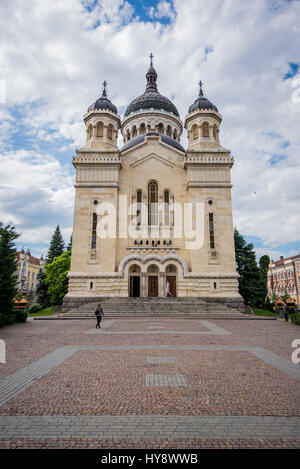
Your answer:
<point x="138" y="207"/>
<point x="152" y="204"/>
<point x="94" y="231"/>
<point x="211" y="231"/>
<point x="166" y="207"/>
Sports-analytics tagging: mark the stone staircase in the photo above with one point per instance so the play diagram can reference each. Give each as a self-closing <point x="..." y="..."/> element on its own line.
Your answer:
<point x="157" y="307"/>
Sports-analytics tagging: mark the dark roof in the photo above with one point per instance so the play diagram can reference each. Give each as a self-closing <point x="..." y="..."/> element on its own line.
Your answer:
<point x="103" y="103"/>
<point x="164" y="138"/>
<point x="202" y="103"/>
<point x="151" y="99"/>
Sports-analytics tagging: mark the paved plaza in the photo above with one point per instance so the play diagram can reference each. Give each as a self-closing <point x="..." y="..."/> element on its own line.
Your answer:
<point x="150" y="383"/>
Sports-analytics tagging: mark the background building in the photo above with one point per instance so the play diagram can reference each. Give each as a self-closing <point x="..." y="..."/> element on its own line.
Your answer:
<point x="28" y="268"/>
<point x="284" y="277"/>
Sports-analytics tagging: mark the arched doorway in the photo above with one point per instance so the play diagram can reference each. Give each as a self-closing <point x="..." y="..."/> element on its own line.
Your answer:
<point x="153" y="280"/>
<point x="135" y="281"/>
<point x="171" y="275"/>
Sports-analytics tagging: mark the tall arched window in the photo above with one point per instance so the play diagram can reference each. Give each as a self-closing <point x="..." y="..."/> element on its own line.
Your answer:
<point x="175" y="134"/>
<point x="205" y="129"/>
<point x="215" y="131"/>
<point x="160" y="128"/>
<point x="169" y="131"/>
<point x="138" y="207"/>
<point x="142" y="129"/>
<point x="195" y="132"/>
<point x="127" y="135"/>
<point x="152" y="204"/>
<point x="100" y="129"/>
<point x="110" y="132"/>
<point x="166" y="207"/>
<point x="90" y="130"/>
<point x="134" y="131"/>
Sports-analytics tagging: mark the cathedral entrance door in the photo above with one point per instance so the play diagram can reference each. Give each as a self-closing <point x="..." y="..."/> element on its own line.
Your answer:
<point x="172" y="281"/>
<point x="152" y="285"/>
<point x="134" y="285"/>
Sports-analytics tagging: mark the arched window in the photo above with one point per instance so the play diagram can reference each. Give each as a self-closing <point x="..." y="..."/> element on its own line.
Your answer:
<point x="138" y="207"/>
<point x="90" y="130"/>
<point x="171" y="268"/>
<point x="152" y="204"/>
<point x="110" y="132"/>
<point x="134" y="131"/>
<point x="205" y="129"/>
<point x="152" y="269"/>
<point x="169" y="131"/>
<point x="160" y="128"/>
<point x="135" y="269"/>
<point x="175" y="134"/>
<point x="142" y="129"/>
<point x="195" y="131"/>
<point x="167" y="207"/>
<point x="127" y="135"/>
<point x="215" y="131"/>
<point x="100" y="129"/>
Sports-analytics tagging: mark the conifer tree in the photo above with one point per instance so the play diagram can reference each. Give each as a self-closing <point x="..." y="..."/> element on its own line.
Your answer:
<point x="69" y="248"/>
<point x="264" y="262"/>
<point x="8" y="270"/>
<point x="57" y="246"/>
<point x="251" y="282"/>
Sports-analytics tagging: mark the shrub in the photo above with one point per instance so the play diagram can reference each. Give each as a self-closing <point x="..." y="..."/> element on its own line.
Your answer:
<point x="11" y="318"/>
<point x="35" y="308"/>
<point x="295" y="318"/>
<point x="21" y="316"/>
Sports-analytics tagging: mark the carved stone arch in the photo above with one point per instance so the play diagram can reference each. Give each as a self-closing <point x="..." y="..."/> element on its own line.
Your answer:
<point x="161" y="259"/>
<point x="99" y="128"/>
<point x="205" y="129"/>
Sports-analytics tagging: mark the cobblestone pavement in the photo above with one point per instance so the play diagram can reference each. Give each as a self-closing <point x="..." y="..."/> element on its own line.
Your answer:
<point x="150" y="383"/>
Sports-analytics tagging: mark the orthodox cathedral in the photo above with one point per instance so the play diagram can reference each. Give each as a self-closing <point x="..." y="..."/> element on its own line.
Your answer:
<point x="153" y="218"/>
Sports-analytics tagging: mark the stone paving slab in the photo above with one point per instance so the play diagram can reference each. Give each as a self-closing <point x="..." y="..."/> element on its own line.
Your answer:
<point x="150" y="427"/>
<point x="165" y="380"/>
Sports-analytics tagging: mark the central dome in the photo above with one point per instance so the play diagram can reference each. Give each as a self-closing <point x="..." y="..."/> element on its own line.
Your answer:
<point x="151" y="99"/>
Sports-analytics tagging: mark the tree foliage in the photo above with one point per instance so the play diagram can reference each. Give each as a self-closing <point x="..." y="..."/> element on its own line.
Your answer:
<point x="251" y="283"/>
<point x="57" y="246"/>
<point x="8" y="270"/>
<point x="42" y="289"/>
<point x="56" y="277"/>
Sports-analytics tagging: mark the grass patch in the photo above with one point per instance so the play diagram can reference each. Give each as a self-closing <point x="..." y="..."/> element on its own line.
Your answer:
<point x="43" y="312"/>
<point x="265" y="312"/>
<point x="295" y="318"/>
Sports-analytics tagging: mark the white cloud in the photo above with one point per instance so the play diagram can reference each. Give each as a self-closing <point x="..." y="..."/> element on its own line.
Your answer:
<point x="55" y="55"/>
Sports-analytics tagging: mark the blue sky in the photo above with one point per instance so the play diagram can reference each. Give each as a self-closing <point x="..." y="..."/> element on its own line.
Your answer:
<point x="55" y="55"/>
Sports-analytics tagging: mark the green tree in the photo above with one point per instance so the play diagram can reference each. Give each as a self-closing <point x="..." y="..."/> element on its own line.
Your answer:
<point x="251" y="283"/>
<point x="8" y="269"/>
<point x="56" y="278"/>
<point x="57" y="246"/>
<point x="42" y="289"/>
<point x="69" y="248"/>
<point x="264" y="262"/>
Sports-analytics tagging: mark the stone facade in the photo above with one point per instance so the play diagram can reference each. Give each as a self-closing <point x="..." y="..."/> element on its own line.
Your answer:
<point x="173" y="210"/>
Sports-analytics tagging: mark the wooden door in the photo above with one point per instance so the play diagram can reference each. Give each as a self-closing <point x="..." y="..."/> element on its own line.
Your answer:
<point x="172" y="281"/>
<point x="152" y="285"/>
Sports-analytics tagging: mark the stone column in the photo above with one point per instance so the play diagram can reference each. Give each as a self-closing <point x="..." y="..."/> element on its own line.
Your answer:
<point x="162" y="284"/>
<point x="143" y="286"/>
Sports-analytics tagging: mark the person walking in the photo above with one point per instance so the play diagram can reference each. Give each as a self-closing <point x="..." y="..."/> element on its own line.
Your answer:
<point x="280" y="310"/>
<point x="99" y="314"/>
<point x="168" y="290"/>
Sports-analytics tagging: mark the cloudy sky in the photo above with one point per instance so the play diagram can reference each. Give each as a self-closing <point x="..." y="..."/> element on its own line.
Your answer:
<point x="54" y="55"/>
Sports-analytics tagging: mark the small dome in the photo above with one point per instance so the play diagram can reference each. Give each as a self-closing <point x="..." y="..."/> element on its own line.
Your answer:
<point x="202" y="103"/>
<point x="103" y="103"/>
<point x="151" y="99"/>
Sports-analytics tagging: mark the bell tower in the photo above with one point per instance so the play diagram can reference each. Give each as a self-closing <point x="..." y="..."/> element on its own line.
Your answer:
<point x="202" y="123"/>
